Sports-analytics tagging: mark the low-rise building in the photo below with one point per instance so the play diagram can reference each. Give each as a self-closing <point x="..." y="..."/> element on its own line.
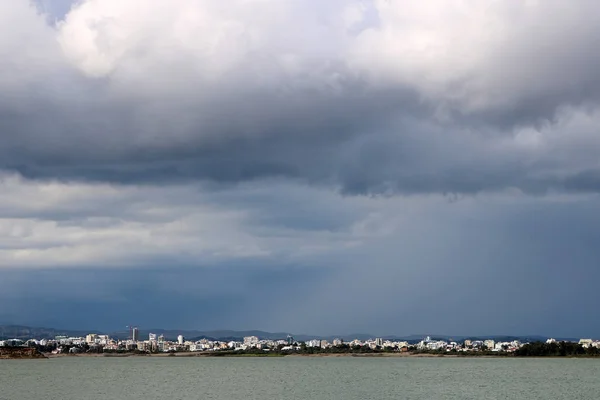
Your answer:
<point x="251" y="341"/>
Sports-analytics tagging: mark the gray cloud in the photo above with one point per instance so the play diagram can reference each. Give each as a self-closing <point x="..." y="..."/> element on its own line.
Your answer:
<point x="313" y="110"/>
<point x="504" y="266"/>
<point x="299" y="157"/>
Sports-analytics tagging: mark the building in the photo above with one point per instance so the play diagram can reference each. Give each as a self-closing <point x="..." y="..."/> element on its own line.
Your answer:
<point x="91" y="338"/>
<point x="152" y="337"/>
<point x="180" y="339"/>
<point x="436" y="345"/>
<point x="250" y="341"/>
<point x="379" y="342"/>
<point x="135" y="334"/>
<point x="13" y="343"/>
<point x="196" y="347"/>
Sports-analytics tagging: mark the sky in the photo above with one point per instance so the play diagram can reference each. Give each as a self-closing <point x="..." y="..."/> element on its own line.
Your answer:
<point x="373" y="166"/>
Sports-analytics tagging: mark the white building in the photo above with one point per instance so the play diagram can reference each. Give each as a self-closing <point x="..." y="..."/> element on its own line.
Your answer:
<point x="180" y="339"/>
<point x="437" y="345"/>
<point x="250" y="341"/>
<point x="489" y="344"/>
<point x="196" y="347"/>
<point x="91" y="338"/>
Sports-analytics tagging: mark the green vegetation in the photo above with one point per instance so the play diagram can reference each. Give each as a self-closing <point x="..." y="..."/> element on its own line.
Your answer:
<point x="303" y="350"/>
<point x="466" y="353"/>
<point x="19" y="353"/>
<point x="560" y="349"/>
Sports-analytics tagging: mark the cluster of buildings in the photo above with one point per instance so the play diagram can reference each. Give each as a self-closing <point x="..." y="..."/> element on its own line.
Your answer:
<point x="157" y="343"/>
<point x="585" y="343"/>
<point x="468" y="345"/>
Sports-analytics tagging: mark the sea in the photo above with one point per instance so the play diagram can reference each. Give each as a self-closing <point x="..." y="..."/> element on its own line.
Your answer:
<point x="298" y="378"/>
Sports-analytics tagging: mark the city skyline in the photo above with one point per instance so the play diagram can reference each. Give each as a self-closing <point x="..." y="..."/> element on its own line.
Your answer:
<point x="97" y="344"/>
<point x="136" y="333"/>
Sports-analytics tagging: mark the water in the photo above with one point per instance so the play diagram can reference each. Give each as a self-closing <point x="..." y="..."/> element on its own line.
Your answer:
<point x="344" y="378"/>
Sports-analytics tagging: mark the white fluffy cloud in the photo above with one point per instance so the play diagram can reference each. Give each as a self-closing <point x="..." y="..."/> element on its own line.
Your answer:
<point x="206" y="41"/>
<point x="472" y="55"/>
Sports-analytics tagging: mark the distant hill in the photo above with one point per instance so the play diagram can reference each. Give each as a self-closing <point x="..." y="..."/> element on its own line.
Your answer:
<point x="225" y="335"/>
<point x="26" y="332"/>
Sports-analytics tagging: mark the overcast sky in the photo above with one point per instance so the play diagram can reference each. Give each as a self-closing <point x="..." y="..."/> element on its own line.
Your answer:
<point x="322" y="167"/>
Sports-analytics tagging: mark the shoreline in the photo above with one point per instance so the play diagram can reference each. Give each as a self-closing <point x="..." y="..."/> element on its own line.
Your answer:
<point x="277" y="355"/>
<point x="266" y="355"/>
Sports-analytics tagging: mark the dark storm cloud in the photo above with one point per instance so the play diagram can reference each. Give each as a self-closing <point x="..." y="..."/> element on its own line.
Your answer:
<point x="348" y="147"/>
<point x="238" y="141"/>
<point x="148" y="117"/>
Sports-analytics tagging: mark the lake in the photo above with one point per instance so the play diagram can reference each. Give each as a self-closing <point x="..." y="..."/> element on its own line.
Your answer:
<point x="318" y="378"/>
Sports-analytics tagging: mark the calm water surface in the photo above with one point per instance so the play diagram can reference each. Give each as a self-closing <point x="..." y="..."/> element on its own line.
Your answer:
<point x="342" y="378"/>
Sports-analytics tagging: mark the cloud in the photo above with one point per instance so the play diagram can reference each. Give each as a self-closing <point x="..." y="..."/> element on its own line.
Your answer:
<point x="373" y="148"/>
<point x="56" y="224"/>
<point x="366" y="97"/>
<point x="507" y="264"/>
